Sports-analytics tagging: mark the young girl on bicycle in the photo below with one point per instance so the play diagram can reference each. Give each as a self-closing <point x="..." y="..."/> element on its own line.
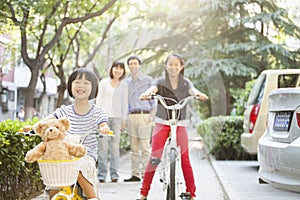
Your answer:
<point x="85" y="118"/>
<point x="175" y="86"/>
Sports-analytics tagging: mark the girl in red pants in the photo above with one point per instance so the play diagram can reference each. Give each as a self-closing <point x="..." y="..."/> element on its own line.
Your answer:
<point x="175" y="86"/>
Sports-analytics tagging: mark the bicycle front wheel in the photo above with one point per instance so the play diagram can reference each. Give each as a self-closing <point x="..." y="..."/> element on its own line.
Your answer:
<point x="171" y="191"/>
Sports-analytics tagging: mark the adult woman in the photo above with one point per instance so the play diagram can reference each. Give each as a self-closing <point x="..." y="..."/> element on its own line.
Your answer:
<point x="113" y="97"/>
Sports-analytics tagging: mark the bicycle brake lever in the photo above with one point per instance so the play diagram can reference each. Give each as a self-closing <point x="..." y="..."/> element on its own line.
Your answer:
<point x="152" y="96"/>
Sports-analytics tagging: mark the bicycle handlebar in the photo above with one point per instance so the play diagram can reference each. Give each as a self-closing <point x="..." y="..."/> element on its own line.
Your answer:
<point x="98" y="133"/>
<point x="81" y="138"/>
<point x="178" y="106"/>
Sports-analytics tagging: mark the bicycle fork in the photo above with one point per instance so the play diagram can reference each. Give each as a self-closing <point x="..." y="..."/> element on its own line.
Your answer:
<point x="171" y="167"/>
<point x="173" y="147"/>
<point x="177" y="160"/>
<point x="169" y="174"/>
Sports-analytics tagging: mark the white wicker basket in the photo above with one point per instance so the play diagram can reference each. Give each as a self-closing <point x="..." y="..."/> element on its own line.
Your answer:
<point x="59" y="173"/>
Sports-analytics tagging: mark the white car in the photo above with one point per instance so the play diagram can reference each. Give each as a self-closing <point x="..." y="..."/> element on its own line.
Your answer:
<point x="255" y="115"/>
<point x="279" y="147"/>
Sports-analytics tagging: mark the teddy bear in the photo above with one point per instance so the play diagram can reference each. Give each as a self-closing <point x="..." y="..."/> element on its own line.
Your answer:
<point x="53" y="145"/>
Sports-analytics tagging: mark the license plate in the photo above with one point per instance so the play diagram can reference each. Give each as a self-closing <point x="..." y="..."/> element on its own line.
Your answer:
<point x="282" y="121"/>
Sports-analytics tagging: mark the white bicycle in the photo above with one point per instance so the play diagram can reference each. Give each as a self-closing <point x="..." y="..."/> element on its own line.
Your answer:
<point x="171" y="159"/>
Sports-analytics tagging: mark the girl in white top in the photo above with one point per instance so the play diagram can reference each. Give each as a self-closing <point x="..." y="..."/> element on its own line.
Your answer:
<point x="113" y="97"/>
<point x="85" y="118"/>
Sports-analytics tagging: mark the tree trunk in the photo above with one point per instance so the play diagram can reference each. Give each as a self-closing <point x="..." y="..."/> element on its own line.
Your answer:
<point x="62" y="87"/>
<point x="61" y="91"/>
<point x="228" y="99"/>
<point x="30" y="91"/>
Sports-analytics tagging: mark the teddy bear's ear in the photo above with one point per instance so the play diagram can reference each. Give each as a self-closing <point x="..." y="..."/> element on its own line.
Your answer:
<point x="38" y="129"/>
<point x="66" y="123"/>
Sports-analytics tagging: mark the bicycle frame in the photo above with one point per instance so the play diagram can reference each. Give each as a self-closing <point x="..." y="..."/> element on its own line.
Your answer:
<point x="171" y="158"/>
<point x="67" y="193"/>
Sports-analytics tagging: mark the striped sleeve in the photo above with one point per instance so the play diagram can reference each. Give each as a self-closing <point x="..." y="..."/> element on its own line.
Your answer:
<point x="100" y="114"/>
<point x="62" y="111"/>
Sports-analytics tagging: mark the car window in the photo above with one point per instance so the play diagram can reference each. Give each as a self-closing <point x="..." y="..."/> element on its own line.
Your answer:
<point x="287" y="80"/>
<point x="257" y="91"/>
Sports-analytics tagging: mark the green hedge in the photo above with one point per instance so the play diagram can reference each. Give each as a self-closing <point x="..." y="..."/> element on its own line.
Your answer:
<point x="19" y="180"/>
<point x="222" y="137"/>
<point x="124" y="141"/>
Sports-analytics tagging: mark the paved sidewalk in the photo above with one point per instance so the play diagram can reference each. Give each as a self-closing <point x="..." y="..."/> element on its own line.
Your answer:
<point x="206" y="181"/>
<point x="240" y="182"/>
<point x="215" y="180"/>
<point x="208" y="187"/>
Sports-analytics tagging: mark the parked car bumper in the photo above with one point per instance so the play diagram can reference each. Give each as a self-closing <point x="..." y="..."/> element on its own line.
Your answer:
<point x="279" y="163"/>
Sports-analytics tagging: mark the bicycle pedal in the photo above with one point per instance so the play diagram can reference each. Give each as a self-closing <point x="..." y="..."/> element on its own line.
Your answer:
<point x="155" y="161"/>
<point x="185" y="195"/>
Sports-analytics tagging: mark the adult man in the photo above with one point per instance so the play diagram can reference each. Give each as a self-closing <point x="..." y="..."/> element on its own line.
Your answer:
<point x="140" y="116"/>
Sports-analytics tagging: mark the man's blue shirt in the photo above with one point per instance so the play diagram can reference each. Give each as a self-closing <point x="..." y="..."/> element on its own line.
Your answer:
<point x="135" y="89"/>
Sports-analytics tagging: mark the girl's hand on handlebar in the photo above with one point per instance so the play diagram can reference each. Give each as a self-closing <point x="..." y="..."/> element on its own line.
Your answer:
<point x="145" y="96"/>
<point x="103" y="128"/>
<point x="109" y="133"/>
<point x="201" y="96"/>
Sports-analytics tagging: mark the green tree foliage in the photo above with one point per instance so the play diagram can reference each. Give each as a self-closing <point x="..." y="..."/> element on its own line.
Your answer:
<point x="41" y="25"/>
<point x="225" y="42"/>
<point x="240" y="97"/>
<point x="77" y="47"/>
<point x="235" y="39"/>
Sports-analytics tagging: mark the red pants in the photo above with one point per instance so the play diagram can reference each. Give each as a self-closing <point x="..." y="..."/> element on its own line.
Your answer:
<point x="159" y="137"/>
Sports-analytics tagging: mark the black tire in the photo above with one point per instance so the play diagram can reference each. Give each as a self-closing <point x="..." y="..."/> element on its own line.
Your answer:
<point x="261" y="181"/>
<point x="168" y="193"/>
<point x="171" y="191"/>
